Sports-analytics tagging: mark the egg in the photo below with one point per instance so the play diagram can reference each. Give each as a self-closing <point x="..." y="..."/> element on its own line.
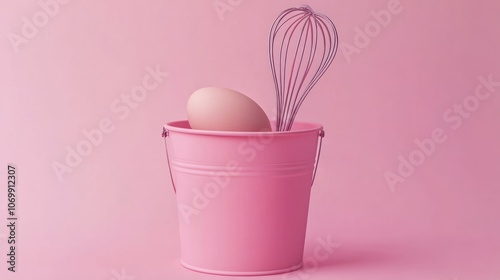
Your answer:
<point x="223" y="109"/>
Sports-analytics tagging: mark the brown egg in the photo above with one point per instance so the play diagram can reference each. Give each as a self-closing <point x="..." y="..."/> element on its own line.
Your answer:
<point x="214" y="108"/>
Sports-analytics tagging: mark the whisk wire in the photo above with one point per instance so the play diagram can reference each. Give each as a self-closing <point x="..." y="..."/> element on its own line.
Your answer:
<point x="288" y="93"/>
<point x="296" y="69"/>
<point x="278" y="86"/>
<point x="292" y="81"/>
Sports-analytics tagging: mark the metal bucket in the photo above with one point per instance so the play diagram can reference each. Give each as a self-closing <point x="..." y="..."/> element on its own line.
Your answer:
<point x="242" y="197"/>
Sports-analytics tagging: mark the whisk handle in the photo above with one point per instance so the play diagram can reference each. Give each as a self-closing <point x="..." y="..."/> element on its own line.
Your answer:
<point x="321" y="134"/>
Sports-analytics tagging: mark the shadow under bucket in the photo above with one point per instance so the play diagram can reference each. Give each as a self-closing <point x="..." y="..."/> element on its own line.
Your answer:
<point x="242" y="197"/>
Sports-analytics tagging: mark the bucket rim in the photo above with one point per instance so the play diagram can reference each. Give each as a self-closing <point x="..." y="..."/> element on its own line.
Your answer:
<point x="182" y="127"/>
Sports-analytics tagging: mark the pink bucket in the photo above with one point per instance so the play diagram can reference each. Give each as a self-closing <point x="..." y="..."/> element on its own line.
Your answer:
<point x="242" y="197"/>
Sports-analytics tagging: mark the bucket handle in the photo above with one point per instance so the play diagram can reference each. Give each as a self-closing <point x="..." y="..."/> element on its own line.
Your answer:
<point x="164" y="134"/>
<point x="321" y="134"/>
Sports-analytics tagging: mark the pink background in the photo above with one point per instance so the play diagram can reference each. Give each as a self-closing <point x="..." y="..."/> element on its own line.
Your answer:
<point x="116" y="210"/>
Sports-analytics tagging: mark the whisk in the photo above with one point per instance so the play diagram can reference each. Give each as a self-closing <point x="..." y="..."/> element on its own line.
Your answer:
<point x="302" y="45"/>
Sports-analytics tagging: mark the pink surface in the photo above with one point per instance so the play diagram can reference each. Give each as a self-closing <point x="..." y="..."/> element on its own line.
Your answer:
<point x="411" y="93"/>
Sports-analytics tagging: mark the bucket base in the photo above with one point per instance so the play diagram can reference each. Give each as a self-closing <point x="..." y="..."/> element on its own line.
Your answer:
<point x="242" y="273"/>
